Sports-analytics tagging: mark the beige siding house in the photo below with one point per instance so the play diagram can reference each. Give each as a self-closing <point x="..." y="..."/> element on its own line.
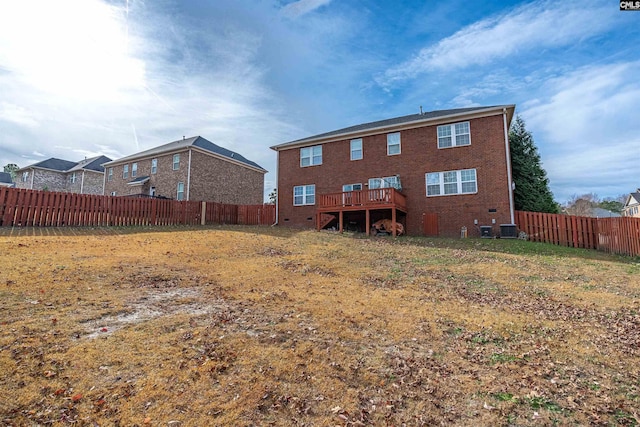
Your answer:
<point x="188" y="169"/>
<point x="83" y="177"/>
<point x="632" y="205"/>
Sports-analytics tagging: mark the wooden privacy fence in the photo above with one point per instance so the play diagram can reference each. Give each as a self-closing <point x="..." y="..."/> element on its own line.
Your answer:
<point x="30" y="208"/>
<point x="620" y="235"/>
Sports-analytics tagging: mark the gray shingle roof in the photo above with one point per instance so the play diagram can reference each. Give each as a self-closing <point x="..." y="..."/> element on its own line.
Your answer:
<point x="195" y="141"/>
<point x="418" y="118"/>
<point x="5" y="178"/>
<point x="92" y="164"/>
<point x="53" y="164"/>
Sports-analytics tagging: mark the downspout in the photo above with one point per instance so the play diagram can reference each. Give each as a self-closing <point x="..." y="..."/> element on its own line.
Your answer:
<point x="277" y="185"/>
<point x="508" y="153"/>
<point x="104" y="179"/>
<point x="82" y="183"/>
<point x="33" y="174"/>
<point x="189" y="175"/>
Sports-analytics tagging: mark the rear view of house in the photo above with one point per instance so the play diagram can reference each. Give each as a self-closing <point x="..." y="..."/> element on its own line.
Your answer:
<point x="188" y="169"/>
<point x="83" y="177"/>
<point x="632" y="205"/>
<point x="437" y="173"/>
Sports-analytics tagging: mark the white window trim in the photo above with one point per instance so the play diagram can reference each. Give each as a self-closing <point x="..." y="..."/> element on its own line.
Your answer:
<point x="399" y="144"/>
<point x="176" y="165"/>
<point x="154" y="166"/>
<point x="310" y="156"/>
<point x="25" y="176"/>
<point x="458" y="182"/>
<point x="178" y="191"/>
<point x="344" y="187"/>
<point x="386" y="182"/>
<point x="134" y="170"/>
<point x="454" y="140"/>
<point x="110" y="174"/>
<point x="73" y="177"/>
<point x="361" y="149"/>
<point x="125" y="171"/>
<point x="305" y="195"/>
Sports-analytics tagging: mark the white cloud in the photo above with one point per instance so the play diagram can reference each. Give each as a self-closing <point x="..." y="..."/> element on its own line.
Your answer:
<point x="302" y="7"/>
<point x="585" y="124"/>
<point x="531" y="27"/>
<point x="16" y="114"/>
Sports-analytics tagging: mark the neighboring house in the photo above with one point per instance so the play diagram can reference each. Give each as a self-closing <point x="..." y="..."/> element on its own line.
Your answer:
<point x="83" y="177"/>
<point x="5" y="180"/>
<point x="632" y="205"/>
<point x="434" y="172"/>
<point x="188" y="169"/>
<point x="603" y="213"/>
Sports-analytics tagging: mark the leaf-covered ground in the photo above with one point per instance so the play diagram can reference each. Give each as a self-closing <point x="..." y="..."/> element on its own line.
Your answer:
<point x="260" y="326"/>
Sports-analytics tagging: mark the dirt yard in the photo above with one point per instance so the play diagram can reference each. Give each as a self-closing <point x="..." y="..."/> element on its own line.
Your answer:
<point x="231" y="326"/>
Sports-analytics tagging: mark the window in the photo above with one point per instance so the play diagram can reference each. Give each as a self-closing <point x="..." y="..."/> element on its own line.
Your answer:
<point x="73" y="178"/>
<point x="134" y="170"/>
<point x="356" y="149"/>
<point x="113" y="193"/>
<point x="393" y="144"/>
<point x="311" y="156"/>
<point x="180" y="195"/>
<point x="352" y="187"/>
<point x="386" y="182"/>
<point x="25" y="176"/>
<point x="304" y="195"/>
<point x="454" y="135"/>
<point x="125" y="172"/>
<point x="451" y="182"/>
<point x="154" y="166"/>
<point x="110" y="174"/>
<point x="176" y="162"/>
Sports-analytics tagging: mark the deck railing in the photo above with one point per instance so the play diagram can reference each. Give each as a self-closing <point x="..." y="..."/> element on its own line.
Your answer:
<point x="378" y="197"/>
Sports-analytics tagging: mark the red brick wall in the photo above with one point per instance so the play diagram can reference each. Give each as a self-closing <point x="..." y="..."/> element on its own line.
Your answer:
<point x="419" y="155"/>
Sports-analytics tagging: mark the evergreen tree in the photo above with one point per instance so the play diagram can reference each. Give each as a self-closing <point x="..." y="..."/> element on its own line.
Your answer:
<point x="532" y="191"/>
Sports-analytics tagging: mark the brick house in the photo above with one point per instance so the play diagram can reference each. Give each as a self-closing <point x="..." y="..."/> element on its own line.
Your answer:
<point x="434" y="172"/>
<point x="188" y="169"/>
<point x="83" y="177"/>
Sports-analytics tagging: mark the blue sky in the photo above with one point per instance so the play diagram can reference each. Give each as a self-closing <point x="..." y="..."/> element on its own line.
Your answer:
<point x="86" y="77"/>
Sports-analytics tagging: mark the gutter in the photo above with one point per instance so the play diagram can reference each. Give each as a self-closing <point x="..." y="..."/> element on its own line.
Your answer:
<point x="508" y="154"/>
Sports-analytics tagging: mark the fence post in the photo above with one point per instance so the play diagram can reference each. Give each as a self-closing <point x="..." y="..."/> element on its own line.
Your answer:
<point x="203" y="213"/>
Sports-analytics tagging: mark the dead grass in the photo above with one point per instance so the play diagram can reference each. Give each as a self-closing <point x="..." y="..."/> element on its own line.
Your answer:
<point x="257" y="326"/>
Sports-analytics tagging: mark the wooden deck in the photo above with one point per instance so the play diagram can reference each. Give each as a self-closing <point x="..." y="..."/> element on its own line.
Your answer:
<point x="380" y="198"/>
<point x="333" y="205"/>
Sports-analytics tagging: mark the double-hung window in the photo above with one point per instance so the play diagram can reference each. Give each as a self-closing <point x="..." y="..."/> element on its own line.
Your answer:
<point x="180" y="193"/>
<point x="304" y="195"/>
<point x="454" y="135"/>
<point x="154" y="166"/>
<point x="451" y="182"/>
<point x="110" y="174"/>
<point x="73" y="178"/>
<point x="351" y="187"/>
<point x="134" y="170"/>
<point x="356" y="149"/>
<point x="176" y="162"/>
<point x="393" y="143"/>
<point x="311" y="156"/>
<point x="25" y="176"/>
<point x="125" y="171"/>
